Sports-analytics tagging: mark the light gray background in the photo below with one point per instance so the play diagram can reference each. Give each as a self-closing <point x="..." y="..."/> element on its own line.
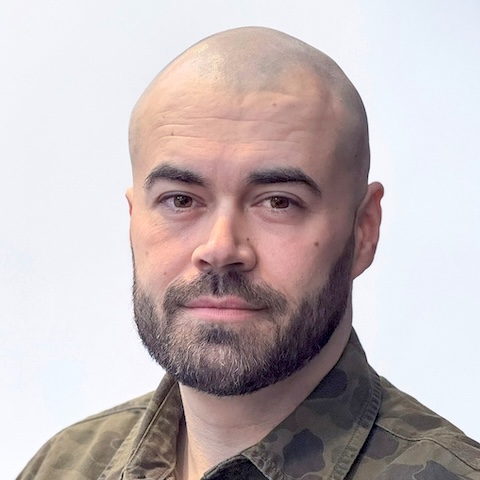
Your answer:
<point x="70" y="73"/>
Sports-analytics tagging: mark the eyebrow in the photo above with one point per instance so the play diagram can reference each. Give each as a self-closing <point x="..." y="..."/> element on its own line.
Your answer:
<point x="259" y="177"/>
<point x="169" y="172"/>
<point x="283" y="175"/>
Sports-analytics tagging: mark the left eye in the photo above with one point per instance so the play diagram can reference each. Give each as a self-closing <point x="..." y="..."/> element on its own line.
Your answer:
<point x="279" y="202"/>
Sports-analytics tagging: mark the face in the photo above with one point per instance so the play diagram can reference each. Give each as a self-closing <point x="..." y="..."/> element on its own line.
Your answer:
<point x="243" y="235"/>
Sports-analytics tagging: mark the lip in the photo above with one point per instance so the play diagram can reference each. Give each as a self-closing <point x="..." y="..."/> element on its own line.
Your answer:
<point x="227" y="303"/>
<point x="225" y="309"/>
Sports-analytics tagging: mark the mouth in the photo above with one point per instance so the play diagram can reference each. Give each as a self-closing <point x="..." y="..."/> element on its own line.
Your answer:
<point x="221" y="309"/>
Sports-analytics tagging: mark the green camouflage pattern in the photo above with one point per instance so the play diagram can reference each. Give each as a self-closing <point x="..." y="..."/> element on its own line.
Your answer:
<point x="354" y="425"/>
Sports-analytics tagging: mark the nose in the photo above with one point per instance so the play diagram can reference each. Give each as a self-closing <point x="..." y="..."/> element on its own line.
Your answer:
<point x="225" y="249"/>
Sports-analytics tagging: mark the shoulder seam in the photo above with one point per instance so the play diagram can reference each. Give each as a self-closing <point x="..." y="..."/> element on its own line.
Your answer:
<point x="128" y="406"/>
<point x="109" y="413"/>
<point x="433" y="440"/>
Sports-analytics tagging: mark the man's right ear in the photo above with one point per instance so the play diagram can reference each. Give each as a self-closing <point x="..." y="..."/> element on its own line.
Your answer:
<point x="129" y="197"/>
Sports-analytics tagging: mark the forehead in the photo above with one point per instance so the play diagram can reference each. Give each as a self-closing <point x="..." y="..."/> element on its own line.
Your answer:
<point x="195" y="124"/>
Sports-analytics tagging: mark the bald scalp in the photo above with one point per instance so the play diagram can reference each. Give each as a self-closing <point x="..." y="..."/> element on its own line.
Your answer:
<point x="255" y="59"/>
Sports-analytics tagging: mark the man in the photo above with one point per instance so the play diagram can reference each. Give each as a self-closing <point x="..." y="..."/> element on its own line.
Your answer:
<point x="250" y="217"/>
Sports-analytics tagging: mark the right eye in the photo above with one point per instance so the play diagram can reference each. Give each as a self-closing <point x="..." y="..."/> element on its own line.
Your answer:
<point x="181" y="201"/>
<point x="178" y="202"/>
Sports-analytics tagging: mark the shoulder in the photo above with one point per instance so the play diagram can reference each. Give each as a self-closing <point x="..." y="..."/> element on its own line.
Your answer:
<point x="411" y="441"/>
<point x="115" y="422"/>
<point x="137" y="405"/>
<point x="90" y="443"/>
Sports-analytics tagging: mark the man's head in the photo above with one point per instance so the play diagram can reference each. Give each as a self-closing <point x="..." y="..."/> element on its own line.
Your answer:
<point x="250" y="210"/>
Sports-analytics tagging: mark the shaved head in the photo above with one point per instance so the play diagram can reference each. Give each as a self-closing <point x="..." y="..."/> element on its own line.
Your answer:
<point x="250" y="209"/>
<point x="250" y="60"/>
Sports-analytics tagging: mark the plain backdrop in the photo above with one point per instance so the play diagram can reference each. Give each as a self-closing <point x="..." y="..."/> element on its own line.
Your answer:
<point x="70" y="72"/>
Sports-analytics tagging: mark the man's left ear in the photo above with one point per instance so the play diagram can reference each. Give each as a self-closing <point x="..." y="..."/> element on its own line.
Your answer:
<point x="367" y="229"/>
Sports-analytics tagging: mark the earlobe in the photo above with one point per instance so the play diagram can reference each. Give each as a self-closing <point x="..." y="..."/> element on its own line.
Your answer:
<point x="367" y="228"/>
<point x="129" y="197"/>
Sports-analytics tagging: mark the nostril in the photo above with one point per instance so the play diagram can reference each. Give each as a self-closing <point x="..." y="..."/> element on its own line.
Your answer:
<point x="220" y="258"/>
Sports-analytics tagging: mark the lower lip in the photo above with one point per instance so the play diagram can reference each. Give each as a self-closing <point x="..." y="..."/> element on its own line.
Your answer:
<point x="222" y="314"/>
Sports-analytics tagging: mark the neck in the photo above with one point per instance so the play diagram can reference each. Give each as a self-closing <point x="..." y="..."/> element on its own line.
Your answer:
<point x="217" y="428"/>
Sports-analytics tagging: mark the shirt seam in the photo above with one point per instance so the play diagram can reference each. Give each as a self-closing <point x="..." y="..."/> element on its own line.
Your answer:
<point x="428" y="439"/>
<point x="106" y="414"/>
<point x="148" y="427"/>
<point x="369" y="413"/>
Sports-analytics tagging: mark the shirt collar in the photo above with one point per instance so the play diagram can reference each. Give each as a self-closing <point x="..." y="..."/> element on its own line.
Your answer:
<point x="320" y="439"/>
<point x="324" y="435"/>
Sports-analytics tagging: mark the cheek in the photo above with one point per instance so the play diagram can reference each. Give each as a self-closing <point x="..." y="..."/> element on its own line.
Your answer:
<point x="159" y="256"/>
<point x="296" y="266"/>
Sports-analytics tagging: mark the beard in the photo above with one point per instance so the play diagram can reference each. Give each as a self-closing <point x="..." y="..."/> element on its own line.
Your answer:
<point x="225" y="360"/>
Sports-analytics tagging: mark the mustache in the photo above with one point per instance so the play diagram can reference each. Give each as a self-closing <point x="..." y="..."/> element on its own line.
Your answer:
<point x="257" y="294"/>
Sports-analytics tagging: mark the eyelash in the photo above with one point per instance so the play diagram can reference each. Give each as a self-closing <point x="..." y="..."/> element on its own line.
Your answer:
<point x="291" y="203"/>
<point x="165" y="200"/>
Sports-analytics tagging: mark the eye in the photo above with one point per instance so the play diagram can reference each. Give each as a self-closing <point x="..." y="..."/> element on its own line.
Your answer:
<point x="278" y="202"/>
<point x="280" y="207"/>
<point x="182" y="201"/>
<point x="178" y="202"/>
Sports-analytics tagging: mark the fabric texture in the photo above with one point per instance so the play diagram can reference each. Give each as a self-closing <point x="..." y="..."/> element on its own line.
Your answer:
<point x="354" y="425"/>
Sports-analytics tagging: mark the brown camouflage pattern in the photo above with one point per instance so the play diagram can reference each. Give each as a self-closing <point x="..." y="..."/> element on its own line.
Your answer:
<point x="354" y="425"/>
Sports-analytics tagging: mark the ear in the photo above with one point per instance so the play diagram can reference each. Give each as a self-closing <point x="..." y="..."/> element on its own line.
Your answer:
<point x="129" y="197"/>
<point x="367" y="229"/>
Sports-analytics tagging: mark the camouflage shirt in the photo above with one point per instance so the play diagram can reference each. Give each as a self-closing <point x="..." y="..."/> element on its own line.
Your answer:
<point x="354" y="425"/>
